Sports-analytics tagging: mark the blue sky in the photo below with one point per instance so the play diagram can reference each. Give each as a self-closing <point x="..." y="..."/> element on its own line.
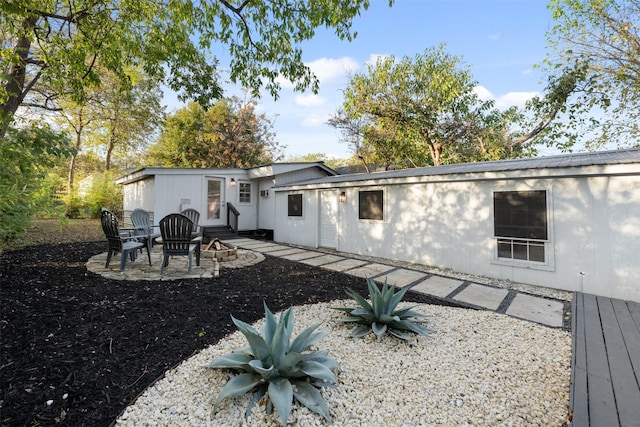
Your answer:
<point x="500" y="40"/>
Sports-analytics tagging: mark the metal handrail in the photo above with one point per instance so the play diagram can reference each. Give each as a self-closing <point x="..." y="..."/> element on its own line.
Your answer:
<point x="232" y="222"/>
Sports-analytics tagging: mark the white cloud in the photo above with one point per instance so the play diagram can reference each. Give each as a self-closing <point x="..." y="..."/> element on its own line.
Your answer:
<point x="517" y="99"/>
<point x="510" y="99"/>
<point x="374" y="57"/>
<point x="327" y="69"/>
<point x="483" y="93"/>
<point x="495" y="36"/>
<point x="315" y="120"/>
<point x="310" y="100"/>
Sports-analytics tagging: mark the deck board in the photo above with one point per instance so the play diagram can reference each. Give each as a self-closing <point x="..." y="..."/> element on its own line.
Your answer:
<point x="579" y="403"/>
<point x="605" y="389"/>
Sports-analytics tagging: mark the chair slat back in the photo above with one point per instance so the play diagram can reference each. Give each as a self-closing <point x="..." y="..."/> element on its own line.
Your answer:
<point x="176" y="234"/>
<point x="141" y="221"/>
<point x="193" y="215"/>
<point x="111" y="231"/>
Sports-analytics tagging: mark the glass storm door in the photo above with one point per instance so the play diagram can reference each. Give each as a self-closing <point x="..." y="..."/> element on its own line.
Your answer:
<point x="215" y="209"/>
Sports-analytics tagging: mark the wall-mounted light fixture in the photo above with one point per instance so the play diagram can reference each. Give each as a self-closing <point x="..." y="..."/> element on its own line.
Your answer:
<point x="233" y="182"/>
<point x="343" y="196"/>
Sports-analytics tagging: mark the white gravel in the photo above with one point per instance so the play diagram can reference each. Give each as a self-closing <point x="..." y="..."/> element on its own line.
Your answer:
<point x="479" y="369"/>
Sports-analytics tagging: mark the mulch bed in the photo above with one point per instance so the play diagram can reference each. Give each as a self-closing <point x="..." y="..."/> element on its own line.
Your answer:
<point x="76" y="348"/>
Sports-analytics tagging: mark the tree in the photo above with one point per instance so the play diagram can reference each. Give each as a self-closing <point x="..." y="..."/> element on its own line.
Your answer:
<point x="229" y="134"/>
<point x="601" y="39"/>
<point x="421" y="111"/>
<point x="61" y="42"/>
<point x="332" y="162"/>
<point x="25" y="157"/>
<point x="128" y="117"/>
<point x="110" y="117"/>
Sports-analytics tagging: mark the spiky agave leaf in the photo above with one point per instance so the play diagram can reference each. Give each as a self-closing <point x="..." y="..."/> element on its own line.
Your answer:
<point x="271" y="363"/>
<point x="237" y="386"/>
<point x="281" y="395"/>
<point x="258" y="345"/>
<point x="381" y="314"/>
<point x="310" y="397"/>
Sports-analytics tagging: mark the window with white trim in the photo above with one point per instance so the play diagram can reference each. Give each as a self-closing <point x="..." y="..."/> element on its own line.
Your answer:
<point x="521" y="225"/>
<point x="371" y="205"/>
<point x="244" y="192"/>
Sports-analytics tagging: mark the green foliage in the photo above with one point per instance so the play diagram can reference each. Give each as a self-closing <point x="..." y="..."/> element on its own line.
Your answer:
<point x="229" y="134"/>
<point x="61" y="42"/>
<point x="594" y="44"/>
<point x="422" y="111"/>
<point x="381" y="314"/>
<point x="48" y="196"/>
<point x="278" y="369"/>
<point x="74" y="206"/>
<point x="332" y="162"/>
<point x="104" y="193"/>
<point x="25" y="155"/>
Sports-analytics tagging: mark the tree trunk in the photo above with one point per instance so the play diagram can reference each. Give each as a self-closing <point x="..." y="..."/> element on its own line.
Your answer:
<point x="436" y="152"/>
<point x="15" y="83"/>
<point x="72" y="165"/>
<point x="110" y="147"/>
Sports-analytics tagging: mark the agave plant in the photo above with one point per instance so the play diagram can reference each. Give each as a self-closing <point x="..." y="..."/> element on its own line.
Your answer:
<point x="277" y="368"/>
<point x="381" y="315"/>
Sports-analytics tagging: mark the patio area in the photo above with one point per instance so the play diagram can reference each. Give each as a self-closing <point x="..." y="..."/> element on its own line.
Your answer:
<point x="177" y="269"/>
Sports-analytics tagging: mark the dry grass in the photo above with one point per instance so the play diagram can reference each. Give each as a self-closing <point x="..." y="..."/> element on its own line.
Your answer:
<point x="53" y="231"/>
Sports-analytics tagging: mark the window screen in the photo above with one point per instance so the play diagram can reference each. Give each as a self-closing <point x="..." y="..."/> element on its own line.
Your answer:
<point x="294" y="206"/>
<point x="370" y="205"/>
<point x="520" y="214"/>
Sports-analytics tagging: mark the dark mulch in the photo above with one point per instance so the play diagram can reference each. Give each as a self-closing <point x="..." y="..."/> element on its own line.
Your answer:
<point x="66" y="332"/>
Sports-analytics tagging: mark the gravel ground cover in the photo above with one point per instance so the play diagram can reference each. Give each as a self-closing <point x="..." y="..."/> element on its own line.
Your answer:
<point x="77" y="349"/>
<point x="478" y="369"/>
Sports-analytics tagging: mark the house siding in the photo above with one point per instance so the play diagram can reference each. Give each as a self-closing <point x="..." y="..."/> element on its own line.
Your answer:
<point x="594" y="231"/>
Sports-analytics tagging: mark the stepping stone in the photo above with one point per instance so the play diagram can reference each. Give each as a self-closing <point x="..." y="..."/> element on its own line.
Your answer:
<point x="437" y="286"/>
<point x="482" y="296"/>
<point x="249" y="245"/>
<point x="370" y="270"/>
<point x="540" y="310"/>
<point x="269" y="249"/>
<point x="285" y="251"/>
<point x="301" y="255"/>
<point x="401" y="277"/>
<point x="345" y="264"/>
<point x="321" y="260"/>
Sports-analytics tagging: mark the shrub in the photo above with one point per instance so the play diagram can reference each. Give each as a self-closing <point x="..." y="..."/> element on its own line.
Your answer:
<point x="104" y="193"/>
<point x="277" y="368"/>
<point x="381" y="316"/>
<point x="26" y="155"/>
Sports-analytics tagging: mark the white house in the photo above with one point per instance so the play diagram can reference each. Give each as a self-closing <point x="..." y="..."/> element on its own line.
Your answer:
<point x="569" y="222"/>
<point x="214" y="192"/>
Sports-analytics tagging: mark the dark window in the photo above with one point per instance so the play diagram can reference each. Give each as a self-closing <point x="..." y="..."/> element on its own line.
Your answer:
<point x="520" y="224"/>
<point x="294" y="206"/>
<point x="520" y="214"/>
<point x="370" y="205"/>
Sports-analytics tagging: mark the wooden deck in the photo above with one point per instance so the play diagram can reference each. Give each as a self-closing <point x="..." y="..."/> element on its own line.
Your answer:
<point x="605" y="368"/>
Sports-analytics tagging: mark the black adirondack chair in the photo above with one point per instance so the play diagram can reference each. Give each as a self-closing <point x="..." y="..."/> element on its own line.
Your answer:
<point x="142" y="226"/>
<point x="126" y="245"/>
<point x="194" y="216"/>
<point x="176" y="232"/>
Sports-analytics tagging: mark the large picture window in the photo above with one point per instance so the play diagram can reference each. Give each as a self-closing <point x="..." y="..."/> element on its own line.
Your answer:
<point x="521" y="224"/>
<point x="370" y="205"/>
<point x="294" y="204"/>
